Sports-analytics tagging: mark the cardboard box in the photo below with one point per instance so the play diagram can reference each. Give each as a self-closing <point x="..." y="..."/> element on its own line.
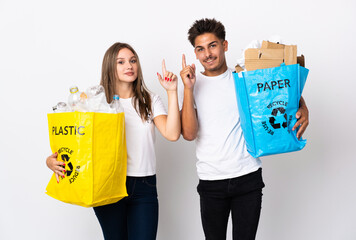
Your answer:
<point x="258" y="58"/>
<point x="290" y="51"/>
<point x="270" y="55"/>
<point x="301" y="60"/>
<point x="272" y="45"/>
<point x="290" y="54"/>
<point x="238" y="68"/>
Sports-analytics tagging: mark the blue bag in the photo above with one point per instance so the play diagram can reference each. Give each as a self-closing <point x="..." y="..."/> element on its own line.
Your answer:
<point x="268" y="100"/>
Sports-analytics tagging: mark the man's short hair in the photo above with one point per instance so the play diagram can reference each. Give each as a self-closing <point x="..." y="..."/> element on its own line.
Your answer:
<point x="206" y="25"/>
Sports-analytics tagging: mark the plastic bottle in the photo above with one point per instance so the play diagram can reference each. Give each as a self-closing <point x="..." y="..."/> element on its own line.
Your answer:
<point x="82" y="105"/>
<point x="115" y="105"/>
<point x="61" y="107"/>
<point x="97" y="99"/>
<point x="95" y="91"/>
<point x="74" y="97"/>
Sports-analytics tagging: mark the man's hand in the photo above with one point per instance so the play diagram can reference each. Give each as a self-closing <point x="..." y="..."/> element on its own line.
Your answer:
<point x="303" y="119"/>
<point x="187" y="74"/>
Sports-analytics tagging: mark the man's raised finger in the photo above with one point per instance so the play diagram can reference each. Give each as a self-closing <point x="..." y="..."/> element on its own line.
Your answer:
<point x="183" y="62"/>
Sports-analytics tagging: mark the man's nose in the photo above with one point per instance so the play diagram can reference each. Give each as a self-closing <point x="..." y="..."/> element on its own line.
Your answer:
<point x="208" y="53"/>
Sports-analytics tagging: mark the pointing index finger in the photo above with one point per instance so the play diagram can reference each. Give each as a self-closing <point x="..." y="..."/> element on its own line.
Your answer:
<point x="183" y="61"/>
<point x="164" y="68"/>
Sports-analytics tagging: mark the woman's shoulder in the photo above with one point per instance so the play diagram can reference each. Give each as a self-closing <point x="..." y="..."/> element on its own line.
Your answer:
<point x="157" y="104"/>
<point x="154" y="97"/>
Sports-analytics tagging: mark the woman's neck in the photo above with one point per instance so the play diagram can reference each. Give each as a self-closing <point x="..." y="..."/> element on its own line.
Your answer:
<point x="124" y="90"/>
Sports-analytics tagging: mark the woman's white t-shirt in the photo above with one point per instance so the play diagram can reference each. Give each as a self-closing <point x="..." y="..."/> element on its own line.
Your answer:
<point x="140" y="137"/>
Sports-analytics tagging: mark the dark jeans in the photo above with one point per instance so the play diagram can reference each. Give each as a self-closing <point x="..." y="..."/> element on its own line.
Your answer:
<point x="134" y="217"/>
<point x="242" y="196"/>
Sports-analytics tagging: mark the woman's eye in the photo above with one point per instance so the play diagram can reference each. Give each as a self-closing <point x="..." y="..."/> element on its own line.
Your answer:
<point x="120" y="62"/>
<point x="133" y="61"/>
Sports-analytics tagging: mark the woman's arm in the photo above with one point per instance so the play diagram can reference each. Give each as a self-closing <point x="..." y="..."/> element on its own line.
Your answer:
<point x="169" y="125"/>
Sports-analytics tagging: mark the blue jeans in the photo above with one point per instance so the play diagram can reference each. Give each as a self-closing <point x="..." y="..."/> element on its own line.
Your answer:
<point x="242" y="196"/>
<point x="134" y="217"/>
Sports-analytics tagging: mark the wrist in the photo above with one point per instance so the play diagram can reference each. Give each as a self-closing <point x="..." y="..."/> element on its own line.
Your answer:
<point x="171" y="91"/>
<point x="302" y="106"/>
<point x="188" y="89"/>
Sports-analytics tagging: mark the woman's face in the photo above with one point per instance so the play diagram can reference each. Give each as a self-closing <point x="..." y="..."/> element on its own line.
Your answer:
<point x="126" y="66"/>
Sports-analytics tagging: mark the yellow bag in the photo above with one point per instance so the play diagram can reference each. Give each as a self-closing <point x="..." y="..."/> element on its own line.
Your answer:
<point x="93" y="147"/>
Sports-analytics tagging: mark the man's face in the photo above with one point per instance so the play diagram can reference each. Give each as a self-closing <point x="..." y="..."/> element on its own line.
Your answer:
<point x="210" y="50"/>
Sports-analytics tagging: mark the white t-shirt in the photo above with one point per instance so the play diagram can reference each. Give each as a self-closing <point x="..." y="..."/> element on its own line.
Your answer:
<point x="140" y="138"/>
<point x="220" y="145"/>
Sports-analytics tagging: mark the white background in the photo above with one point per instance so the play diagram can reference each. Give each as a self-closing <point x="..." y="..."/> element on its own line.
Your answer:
<point x="46" y="46"/>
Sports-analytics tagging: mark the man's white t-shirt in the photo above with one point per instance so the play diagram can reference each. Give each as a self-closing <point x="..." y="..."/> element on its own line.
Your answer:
<point x="220" y="145"/>
<point x="140" y="138"/>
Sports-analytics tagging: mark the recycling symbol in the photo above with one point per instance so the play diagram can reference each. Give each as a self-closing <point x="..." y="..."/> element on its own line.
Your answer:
<point x="272" y="120"/>
<point x="66" y="158"/>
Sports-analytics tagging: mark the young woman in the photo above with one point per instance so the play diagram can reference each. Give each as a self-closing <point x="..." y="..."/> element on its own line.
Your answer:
<point x="136" y="216"/>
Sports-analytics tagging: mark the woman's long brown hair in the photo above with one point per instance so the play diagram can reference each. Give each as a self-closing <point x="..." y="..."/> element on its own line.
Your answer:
<point x="141" y="99"/>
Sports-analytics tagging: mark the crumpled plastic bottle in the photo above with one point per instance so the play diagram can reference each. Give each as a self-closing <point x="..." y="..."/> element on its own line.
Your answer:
<point x="115" y="105"/>
<point x="96" y="99"/>
<point x="61" y="107"/>
<point x="92" y="100"/>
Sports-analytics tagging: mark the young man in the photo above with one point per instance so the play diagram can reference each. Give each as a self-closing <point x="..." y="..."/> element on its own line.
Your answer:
<point x="230" y="178"/>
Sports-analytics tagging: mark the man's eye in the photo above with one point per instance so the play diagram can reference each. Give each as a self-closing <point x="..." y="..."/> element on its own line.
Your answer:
<point x="199" y="49"/>
<point x="214" y="45"/>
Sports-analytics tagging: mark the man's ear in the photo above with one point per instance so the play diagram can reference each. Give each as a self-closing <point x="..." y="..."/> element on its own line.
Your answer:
<point x="225" y="44"/>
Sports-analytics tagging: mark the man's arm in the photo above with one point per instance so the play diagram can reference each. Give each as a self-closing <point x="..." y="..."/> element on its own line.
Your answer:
<point x="189" y="118"/>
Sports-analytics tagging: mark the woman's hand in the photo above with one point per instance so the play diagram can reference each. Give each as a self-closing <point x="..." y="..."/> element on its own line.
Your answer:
<point x="56" y="166"/>
<point x="169" y="80"/>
